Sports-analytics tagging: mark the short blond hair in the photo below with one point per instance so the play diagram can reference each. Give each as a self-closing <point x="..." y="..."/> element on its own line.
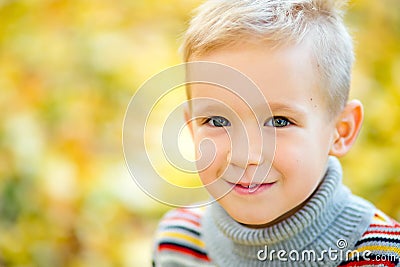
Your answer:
<point x="222" y="23"/>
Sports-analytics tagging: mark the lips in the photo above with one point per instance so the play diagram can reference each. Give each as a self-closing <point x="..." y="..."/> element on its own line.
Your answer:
<point x="250" y="189"/>
<point x="250" y="186"/>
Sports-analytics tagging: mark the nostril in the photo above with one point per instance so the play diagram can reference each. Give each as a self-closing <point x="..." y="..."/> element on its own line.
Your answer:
<point x="255" y="158"/>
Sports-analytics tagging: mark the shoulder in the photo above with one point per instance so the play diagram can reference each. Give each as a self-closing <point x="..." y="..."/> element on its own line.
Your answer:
<point x="380" y="243"/>
<point x="178" y="239"/>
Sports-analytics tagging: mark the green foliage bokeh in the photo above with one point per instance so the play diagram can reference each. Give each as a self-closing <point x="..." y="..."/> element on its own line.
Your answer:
<point x="67" y="72"/>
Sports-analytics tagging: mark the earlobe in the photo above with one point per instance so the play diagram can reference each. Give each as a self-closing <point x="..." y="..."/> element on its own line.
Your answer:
<point x="347" y="127"/>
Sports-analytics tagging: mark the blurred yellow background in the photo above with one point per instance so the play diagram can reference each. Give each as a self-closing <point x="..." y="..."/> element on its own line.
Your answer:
<point x="67" y="72"/>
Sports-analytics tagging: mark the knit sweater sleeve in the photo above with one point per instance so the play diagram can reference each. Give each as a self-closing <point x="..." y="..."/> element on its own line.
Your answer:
<point x="178" y="241"/>
<point x="379" y="245"/>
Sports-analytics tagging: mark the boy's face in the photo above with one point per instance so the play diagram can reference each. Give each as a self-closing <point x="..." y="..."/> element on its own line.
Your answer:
<point x="283" y="156"/>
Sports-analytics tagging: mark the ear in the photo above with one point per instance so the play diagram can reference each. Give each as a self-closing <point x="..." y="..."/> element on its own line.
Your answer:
<point x="188" y="118"/>
<point x="347" y="127"/>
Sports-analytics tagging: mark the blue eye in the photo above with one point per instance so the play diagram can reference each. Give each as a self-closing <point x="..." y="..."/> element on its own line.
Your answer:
<point x="277" y="122"/>
<point x="218" y="121"/>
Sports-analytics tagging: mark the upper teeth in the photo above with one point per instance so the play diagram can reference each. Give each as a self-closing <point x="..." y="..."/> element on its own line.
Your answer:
<point x="252" y="186"/>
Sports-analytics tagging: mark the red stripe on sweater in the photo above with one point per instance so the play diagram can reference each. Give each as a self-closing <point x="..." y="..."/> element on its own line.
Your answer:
<point x="381" y="232"/>
<point x="396" y="224"/>
<point x="384" y="226"/>
<point x="184" y="250"/>
<point x="176" y="218"/>
<point x="369" y="263"/>
<point x="190" y="212"/>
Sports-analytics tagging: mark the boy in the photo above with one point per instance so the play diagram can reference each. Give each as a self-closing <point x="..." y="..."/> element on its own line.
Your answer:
<point x="279" y="203"/>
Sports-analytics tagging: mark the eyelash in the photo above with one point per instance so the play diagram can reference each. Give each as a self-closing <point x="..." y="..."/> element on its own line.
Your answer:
<point x="286" y="120"/>
<point x="226" y="122"/>
<point x="214" y="118"/>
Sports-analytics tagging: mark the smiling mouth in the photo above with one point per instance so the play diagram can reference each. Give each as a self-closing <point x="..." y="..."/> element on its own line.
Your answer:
<point x="250" y="186"/>
<point x="245" y="188"/>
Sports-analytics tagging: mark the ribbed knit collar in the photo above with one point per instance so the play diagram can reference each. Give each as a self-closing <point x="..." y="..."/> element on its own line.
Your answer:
<point x="331" y="214"/>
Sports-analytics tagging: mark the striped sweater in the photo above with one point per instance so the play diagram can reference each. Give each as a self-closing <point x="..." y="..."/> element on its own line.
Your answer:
<point x="332" y="220"/>
<point x="179" y="241"/>
<point x="382" y="239"/>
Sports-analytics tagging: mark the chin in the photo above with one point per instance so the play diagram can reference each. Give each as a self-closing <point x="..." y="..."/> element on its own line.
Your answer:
<point x="257" y="223"/>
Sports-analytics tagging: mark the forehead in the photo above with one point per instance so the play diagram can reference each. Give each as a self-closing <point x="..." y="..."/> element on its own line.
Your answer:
<point x="283" y="77"/>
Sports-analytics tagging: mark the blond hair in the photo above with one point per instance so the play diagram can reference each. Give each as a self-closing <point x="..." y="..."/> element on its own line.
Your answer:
<point x="221" y="23"/>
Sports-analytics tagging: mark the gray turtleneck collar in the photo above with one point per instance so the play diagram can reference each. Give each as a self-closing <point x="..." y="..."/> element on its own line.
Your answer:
<point x="330" y="216"/>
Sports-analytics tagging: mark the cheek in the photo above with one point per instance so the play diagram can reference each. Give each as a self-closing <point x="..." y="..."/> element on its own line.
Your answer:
<point x="211" y="157"/>
<point x="289" y="153"/>
<point x="301" y="162"/>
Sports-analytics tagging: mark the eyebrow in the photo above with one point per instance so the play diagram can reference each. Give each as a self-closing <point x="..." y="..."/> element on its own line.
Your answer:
<point x="209" y="109"/>
<point x="288" y="108"/>
<point x="276" y="107"/>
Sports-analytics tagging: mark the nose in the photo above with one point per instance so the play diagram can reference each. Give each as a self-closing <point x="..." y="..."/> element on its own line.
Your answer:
<point x="248" y="146"/>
